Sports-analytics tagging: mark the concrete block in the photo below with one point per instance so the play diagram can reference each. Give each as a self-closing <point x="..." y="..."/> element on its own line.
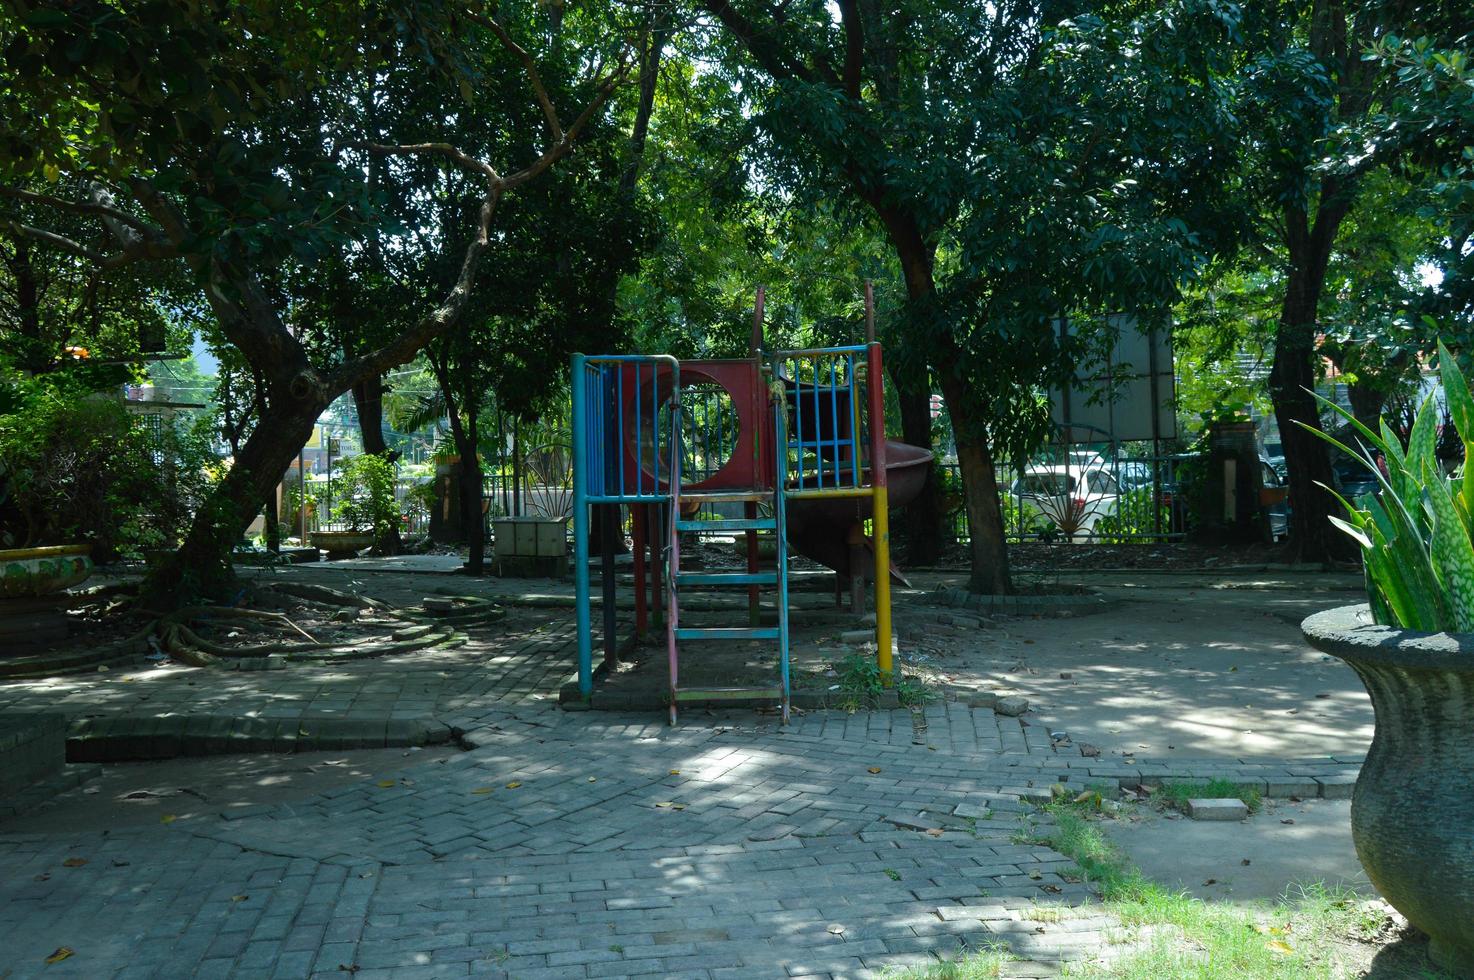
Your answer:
<point x="1227" y="809"/>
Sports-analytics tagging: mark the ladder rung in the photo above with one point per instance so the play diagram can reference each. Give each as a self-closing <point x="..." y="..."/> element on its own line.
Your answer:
<point x="721" y="496"/>
<point x="721" y="693"/>
<point x="727" y="578"/>
<point x="728" y="633"/>
<point x="743" y="524"/>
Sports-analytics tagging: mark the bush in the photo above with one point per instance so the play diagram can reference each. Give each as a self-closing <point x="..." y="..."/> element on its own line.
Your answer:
<point x="1417" y="532"/>
<point x="369" y="504"/>
<point x="1134" y="518"/>
<point x="76" y="466"/>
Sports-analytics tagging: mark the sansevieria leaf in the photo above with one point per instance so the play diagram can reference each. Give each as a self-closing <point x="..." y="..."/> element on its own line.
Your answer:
<point x="1453" y="555"/>
<point x="1461" y="410"/>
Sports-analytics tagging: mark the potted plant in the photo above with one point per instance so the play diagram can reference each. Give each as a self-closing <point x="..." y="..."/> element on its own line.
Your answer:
<point x="1412" y="645"/>
<point x="367" y="511"/>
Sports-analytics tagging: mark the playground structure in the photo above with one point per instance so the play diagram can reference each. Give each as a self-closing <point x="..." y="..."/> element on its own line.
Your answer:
<point x="795" y="439"/>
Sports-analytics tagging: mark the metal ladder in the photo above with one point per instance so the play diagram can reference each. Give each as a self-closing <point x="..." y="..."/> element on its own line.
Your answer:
<point x="777" y="578"/>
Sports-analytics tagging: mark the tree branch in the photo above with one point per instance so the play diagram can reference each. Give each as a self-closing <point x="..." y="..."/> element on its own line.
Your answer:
<point x="79" y="207"/>
<point x="61" y="242"/>
<point x="539" y="91"/>
<point x="458" y="156"/>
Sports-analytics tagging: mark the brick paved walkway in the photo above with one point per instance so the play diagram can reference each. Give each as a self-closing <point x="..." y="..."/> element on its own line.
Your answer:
<point x="600" y="846"/>
<point x="564" y="844"/>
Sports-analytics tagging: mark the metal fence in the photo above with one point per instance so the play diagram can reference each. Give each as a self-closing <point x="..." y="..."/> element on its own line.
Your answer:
<point x="1080" y="497"/>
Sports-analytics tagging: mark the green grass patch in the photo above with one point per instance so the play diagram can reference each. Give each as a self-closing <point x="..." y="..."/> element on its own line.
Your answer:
<point x="1304" y="935"/>
<point x="1176" y="795"/>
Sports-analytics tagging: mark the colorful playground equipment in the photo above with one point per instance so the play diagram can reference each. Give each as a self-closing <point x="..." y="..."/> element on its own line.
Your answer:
<point x="792" y="440"/>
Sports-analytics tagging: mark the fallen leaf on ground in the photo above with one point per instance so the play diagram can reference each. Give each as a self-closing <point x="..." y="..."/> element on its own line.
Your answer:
<point x="592" y="779"/>
<point x="385" y="783"/>
<point x="239" y="898"/>
<point x="1035" y="875"/>
<point x="873" y="769"/>
<point x="675" y="772"/>
<point x="665" y="804"/>
<point x="1280" y="947"/>
<point x="167" y="818"/>
<point x="1288" y="820"/>
<point x="836" y="930"/>
<point x="62" y="952"/>
<point x="513" y="785"/>
<point x="481" y="790"/>
<point x="73" y="862"/>
<point x="934" y="832"/>
<point x="43" y="876"/>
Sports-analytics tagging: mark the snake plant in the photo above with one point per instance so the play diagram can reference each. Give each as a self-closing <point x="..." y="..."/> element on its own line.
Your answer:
<point x="1417" y="532"/>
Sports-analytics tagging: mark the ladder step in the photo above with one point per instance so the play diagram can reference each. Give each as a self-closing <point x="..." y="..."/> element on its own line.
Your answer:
<point x="726" y="578"/>
<point x="726" y="496"/>
<point x="728" y="633"/>
<point x="717" y="526"/>
<point x="722" y="693"/>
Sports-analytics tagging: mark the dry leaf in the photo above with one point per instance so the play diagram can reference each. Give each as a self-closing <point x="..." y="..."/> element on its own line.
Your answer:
<point x="836" y="930"/>
<point x="1034" y="874"/>
<point x="592" y="779"/>
<point x="873" y="769"/>
<point x="934" y="832"/>
<point x="665" y="804"/>
<point x="675" y="772"/>
<point x="385" y="783"/>
<point x="481" y="790"/>
<point x="239" y="898"/>
<point x="513" y="785"/>
<point x="62" y="952"/>
<point x="43" y="876"/>
<point x="1282" y="948"/>
<point x="73" y="862"/>
<point x="167" y="818"/>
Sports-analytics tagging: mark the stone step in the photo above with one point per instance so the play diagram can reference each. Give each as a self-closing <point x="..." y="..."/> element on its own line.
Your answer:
<point x="32" y="749"/>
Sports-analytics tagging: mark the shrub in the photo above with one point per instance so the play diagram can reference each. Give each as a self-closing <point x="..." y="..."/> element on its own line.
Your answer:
<point x="1417" y="532"/>
<point x="75" y="465"/>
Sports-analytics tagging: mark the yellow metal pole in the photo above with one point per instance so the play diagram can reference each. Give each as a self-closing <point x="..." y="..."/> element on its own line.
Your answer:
<point x="882" y="526"/>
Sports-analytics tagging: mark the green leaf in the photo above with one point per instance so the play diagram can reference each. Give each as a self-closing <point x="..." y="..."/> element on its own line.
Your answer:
<point x="1453" y="555"/>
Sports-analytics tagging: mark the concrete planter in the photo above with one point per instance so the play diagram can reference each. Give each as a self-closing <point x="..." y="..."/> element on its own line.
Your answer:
<point x="40" y="571"/>
<point x="341" y="544"/>
<point x="1410" y="812"/>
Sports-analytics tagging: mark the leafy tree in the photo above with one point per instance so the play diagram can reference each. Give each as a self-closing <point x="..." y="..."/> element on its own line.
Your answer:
<point x="1021" y="164"/>
<point x="213" y="135"/>
<point x="1316" y="134"/>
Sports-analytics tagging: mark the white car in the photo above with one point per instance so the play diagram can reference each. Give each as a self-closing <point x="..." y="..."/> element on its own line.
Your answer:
<point x="1073" y="497"/>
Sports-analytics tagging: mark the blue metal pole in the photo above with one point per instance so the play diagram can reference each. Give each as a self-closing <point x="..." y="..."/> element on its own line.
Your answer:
<point x="581" y="529"/>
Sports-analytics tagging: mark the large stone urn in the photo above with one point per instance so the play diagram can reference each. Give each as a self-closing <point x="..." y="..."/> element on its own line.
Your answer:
<point x="1412" y="813"/>
<point x="41" y="571"/>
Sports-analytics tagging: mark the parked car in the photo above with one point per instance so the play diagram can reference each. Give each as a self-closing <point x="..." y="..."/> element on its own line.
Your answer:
<point x="1277" y="511"/>
<point x="1073" y="497"/>
<point x="1353" y="479"/>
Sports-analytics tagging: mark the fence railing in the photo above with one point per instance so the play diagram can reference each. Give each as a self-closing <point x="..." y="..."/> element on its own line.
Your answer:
<point x="1081" y="500"/>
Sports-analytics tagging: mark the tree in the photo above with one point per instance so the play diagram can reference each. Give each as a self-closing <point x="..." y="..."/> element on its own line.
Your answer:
<point x="1021" y="165"/>
<point x="209" y="135"/>
<point x="1316" y="132"/>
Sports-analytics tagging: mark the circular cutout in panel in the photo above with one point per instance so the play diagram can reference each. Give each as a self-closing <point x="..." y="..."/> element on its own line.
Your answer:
<point x="710" y="429"/>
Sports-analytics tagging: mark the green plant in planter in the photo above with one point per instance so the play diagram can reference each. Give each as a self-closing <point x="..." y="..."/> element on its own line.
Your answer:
<point x="369" y="504"/>
<point x="1417" y="533"/>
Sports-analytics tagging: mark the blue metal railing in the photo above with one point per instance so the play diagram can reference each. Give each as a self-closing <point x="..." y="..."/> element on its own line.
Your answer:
<point x="825" y="391"/>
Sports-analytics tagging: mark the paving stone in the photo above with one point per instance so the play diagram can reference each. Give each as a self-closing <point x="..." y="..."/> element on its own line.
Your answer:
<point x="1217" y="809"/>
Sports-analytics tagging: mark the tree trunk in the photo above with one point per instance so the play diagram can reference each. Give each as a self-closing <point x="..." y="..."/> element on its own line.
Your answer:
<point x="988" y="549"/>
<point x="473" y="524"/>
<point x="201" y="566"/>
<point x="368" y="399"/>
<point x="1307" y="461"/>
<point x="921" y="522"/>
